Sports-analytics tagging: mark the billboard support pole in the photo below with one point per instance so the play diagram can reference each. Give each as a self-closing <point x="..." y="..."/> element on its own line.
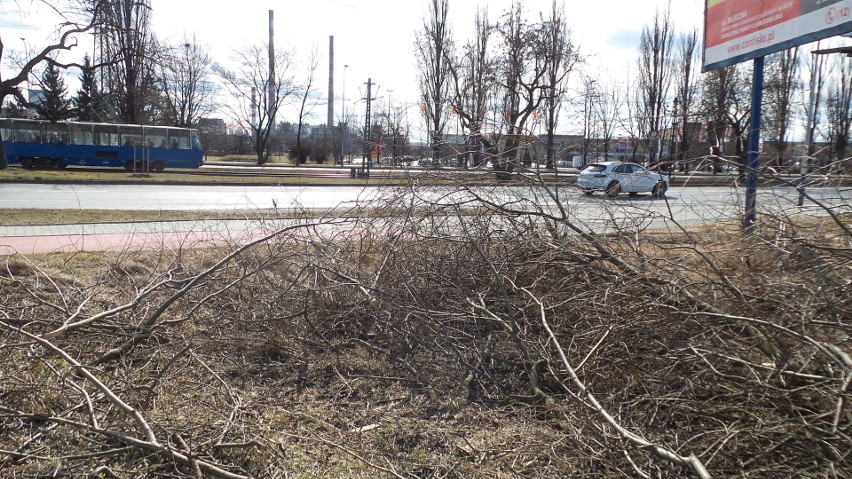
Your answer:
<point x="753" y="162"/>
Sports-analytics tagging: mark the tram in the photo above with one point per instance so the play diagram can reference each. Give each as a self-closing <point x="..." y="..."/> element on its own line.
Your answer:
<point x="39" y="143"/>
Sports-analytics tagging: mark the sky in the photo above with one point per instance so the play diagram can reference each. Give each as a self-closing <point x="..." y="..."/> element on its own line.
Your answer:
<point x="375" y="38"/>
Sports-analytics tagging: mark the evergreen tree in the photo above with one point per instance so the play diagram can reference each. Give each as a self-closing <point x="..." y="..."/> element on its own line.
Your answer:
<point x="55" y="106"/>
<point x="87" y="102"/>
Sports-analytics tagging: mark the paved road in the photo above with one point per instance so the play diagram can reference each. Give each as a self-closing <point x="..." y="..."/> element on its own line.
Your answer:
<point x="249" y="198"/>
<point x="174" y="197"/>
<point x="686" y="205"/>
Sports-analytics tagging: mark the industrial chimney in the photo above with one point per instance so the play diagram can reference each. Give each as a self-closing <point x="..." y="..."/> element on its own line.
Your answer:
<point x="271" y="100"/>
<point x="330" y="123"/>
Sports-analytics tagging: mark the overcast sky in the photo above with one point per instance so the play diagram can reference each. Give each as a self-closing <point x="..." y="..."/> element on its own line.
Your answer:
<point x="375" y="37"/>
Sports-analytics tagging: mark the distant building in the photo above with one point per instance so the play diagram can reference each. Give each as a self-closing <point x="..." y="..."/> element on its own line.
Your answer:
<point x="36" y="97"/>
<point x="319" y="132"/>
<point x="212" y="126"/>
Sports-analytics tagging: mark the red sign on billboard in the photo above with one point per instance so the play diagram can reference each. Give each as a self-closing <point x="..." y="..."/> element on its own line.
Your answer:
<point x="738" y="30"/>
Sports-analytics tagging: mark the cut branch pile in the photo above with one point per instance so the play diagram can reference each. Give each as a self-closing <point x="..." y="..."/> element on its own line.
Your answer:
<point x="442" y="341"/>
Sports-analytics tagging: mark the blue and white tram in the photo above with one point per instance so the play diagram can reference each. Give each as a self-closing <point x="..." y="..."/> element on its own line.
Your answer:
<point x="38" y="143"/>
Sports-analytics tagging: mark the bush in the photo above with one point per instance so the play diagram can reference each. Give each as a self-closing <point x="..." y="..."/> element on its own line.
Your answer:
<point x="300" y="154"/>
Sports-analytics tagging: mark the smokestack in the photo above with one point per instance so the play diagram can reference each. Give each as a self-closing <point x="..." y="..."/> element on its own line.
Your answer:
<point x="272" y="100"/>
<point x="330" y="122"/>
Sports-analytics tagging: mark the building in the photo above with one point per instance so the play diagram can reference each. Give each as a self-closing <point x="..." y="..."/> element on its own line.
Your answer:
<point x="212" y="126"/>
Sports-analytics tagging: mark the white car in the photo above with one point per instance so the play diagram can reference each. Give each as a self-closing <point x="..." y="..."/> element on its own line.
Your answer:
<point x="614" y="177"/>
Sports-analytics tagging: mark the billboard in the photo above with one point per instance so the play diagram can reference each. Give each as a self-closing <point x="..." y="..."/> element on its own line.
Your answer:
<point x="739" y="30"/>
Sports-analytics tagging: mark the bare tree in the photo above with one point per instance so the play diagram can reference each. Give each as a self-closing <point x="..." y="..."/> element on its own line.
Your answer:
<point x="561" y="57"/>
<point x="631" y="121"/>
<point x="186" y="70"/>
<point x="726" y="102"/>
<point x="472" y="74"/>
<point x="781" y="85"/>
<point x="434" y="45"/>
<point x="839" y="112"/>
<point x="522" y="77"/>
<point x="307" y="102"/>
<point x="606" y="104"/>
<point x="129" y="52"/>
<point x="686" y="78"/>
<point x="78" y="18"/>
<point x="396" y="131"/>
<point x="655" y="73"/>
<point x="818" y="74"/>
<point x="248" y="86"/>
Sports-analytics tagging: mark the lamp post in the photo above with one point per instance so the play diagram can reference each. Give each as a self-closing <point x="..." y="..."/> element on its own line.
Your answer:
<point x="27" y="96"/>
<point x="673" y="148"/>
<point x="587" y="118"/>
<point x="391" y="129"/>
<point x="343" y="123"/>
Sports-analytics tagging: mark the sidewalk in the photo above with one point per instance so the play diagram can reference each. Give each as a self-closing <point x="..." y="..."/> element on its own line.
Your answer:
<point x="31" y="239"/>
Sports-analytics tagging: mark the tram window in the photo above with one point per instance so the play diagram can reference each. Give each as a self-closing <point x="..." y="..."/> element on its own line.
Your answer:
<point x="56" y="133"/>
<point x="179" y="139"/>
<point x="196" y="141"/>
<point x="81" y="134"/>
<point x="6" y="130"/>
<point x="131" y="136"/>
<point x="106" y="135"/>
<point x="156" y="137"/>
<point x="28" y="132"/>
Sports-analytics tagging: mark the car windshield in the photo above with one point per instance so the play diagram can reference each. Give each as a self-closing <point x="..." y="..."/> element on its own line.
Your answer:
<point x="594" y="168"/>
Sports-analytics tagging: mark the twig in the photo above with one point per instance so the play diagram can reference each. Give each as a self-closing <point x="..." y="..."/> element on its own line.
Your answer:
<point x="594" y="348"/>
<point x="691" y="461"/>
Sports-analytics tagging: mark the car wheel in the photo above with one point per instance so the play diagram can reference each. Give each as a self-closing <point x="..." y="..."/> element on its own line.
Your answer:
<point x="613" y="189"/>
<point x="659" y="190"/>
<point x="588" y="192"/>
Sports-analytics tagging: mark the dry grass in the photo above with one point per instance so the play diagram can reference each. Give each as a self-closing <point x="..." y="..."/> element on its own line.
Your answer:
<point x="208" y="176"/>
<point x="405" y="348"/>
<point x="32" y="216"/>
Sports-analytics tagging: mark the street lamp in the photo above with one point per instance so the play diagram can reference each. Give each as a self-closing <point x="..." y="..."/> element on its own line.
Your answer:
<point x="24" y="40"/>
<point x="587" y="118"/>
<point x="673" y="148"/>
<point x="391" y="129"/>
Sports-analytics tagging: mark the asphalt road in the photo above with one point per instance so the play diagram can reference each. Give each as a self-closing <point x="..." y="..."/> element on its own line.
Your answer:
<point x="686" y="205"/>
<point x="247" y="198"/>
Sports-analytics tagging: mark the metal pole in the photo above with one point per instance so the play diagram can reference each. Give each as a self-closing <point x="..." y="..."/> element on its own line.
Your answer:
<point x="390" y="128"/>
<point x="753" y="164"/>
<point x="673" y="147"/>
<point x="272" y="100"/>
<point x="343" y="122"/>
<point x="330" y="120"/>
<point x="585" y="129"/>
<point x="365" y="160"/>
